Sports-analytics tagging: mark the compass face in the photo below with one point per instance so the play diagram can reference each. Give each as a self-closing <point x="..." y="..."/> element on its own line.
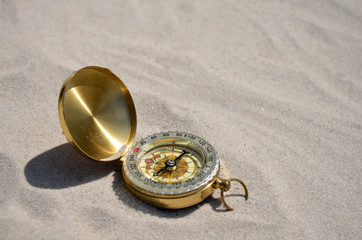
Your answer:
<point x="171" y="163"/>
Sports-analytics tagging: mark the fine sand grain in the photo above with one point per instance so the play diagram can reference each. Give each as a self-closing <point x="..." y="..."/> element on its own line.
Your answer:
<point x="274" y="86"/>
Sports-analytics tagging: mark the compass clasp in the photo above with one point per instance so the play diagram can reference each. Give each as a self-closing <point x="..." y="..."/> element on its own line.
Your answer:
<point x="224" y="185"/>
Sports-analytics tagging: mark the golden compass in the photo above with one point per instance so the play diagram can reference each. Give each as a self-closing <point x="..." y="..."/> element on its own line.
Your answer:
<point x="167" y="170"/>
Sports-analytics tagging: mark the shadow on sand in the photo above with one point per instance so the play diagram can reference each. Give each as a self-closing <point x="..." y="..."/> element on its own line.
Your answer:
<point x="128" y="199"/>
<point x="62" y="167"/>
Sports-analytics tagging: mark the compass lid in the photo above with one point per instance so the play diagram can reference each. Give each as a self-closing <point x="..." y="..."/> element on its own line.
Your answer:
<point x="97" y="113"/>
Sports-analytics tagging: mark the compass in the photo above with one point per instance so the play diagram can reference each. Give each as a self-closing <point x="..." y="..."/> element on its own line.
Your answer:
<point x="167" y="170"/>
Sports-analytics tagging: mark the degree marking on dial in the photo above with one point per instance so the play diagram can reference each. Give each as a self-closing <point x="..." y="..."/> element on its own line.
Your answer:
<point x="195" y="160"/>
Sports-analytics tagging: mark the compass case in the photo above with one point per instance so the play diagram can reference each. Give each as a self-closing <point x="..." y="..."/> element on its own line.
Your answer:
<point x="171" y="201"/>
<point x="97" y="114"/>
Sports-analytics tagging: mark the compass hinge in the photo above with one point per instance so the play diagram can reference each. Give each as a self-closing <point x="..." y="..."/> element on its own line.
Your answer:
<point x="222" y="184"/>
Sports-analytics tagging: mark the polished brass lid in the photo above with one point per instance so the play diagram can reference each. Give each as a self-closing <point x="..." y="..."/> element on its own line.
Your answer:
<point x="97" y="113"/>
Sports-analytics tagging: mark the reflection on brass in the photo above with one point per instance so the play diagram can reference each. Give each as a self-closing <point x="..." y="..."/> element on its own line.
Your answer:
<point x="98" y="117"/>
<point x="97" y="113"/>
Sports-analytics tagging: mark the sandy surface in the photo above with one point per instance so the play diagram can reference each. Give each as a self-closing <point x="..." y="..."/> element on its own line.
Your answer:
<point x="275" y="86"/>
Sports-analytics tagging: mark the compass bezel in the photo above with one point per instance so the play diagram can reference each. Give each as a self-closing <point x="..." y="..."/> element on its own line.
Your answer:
<point x="152" y="191"/>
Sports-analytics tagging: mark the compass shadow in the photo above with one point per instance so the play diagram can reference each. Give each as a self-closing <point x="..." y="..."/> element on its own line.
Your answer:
<point x="63" y="167"/>
<point x="131" y="201"/>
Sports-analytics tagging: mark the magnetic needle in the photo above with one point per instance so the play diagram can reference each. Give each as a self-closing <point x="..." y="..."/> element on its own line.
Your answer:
<point x="167" y="170"/>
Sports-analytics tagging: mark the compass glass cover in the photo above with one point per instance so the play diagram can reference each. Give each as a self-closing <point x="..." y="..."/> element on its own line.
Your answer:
<point x="171" y="163"/>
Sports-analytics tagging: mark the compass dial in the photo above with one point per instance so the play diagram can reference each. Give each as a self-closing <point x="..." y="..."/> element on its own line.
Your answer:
<point x="171" y="163"/>
<point x="164" y="163"/>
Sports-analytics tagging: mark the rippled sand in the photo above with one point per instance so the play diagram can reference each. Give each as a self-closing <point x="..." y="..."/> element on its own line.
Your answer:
<point x="275" y="86"/>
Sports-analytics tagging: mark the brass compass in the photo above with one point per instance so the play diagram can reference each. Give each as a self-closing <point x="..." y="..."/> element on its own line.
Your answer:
<point x="167" y="170"/>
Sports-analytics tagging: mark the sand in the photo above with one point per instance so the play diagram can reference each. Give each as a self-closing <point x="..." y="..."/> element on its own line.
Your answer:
<point x="274" y="86"/>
